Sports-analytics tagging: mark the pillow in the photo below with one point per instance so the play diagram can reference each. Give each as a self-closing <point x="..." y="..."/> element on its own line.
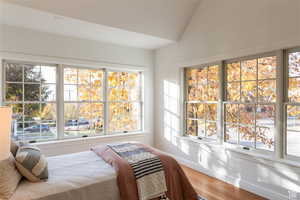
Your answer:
<point x="32" y="164"/>
<point x="14" y="146"/>
<point x="9" y="177"/>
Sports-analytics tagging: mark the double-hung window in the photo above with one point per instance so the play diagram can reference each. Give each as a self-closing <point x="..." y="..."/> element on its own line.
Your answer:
<point x="293" y="104"/>
<point x="251" y="102"/>
<point x="202" y="93"/>
<point x="60" y="101"/>
<point x="83" y="102"/>
<point x="30" y="89"/>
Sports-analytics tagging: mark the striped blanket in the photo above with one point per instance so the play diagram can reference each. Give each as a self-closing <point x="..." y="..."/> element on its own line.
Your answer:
<point x="147" y="168"/>
<point x="146" y="173"/>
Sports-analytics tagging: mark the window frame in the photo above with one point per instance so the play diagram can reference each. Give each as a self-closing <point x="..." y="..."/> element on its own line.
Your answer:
<point x="286" y="102"/>
<point x="23" y="102"/>
<point x="60" y="96"/>
<point x="256" y="102"/>
<point x="218" y="102"/>
<point x="278" y="153"/>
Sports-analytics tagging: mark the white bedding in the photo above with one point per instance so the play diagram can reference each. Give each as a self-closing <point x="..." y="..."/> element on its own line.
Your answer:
<point x="79" y="176"/>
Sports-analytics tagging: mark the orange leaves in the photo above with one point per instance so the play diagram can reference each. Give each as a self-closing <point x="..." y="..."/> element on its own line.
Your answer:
<point x="203" y="83"/>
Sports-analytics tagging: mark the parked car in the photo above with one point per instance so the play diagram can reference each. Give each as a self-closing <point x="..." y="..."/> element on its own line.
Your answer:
<point x="37" y="128"/>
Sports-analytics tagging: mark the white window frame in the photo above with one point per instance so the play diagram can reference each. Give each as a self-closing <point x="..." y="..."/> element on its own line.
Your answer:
<point x="278" y="153"/>
<point x="218" y="102"/>
<point x="286" y="102"/>
<point x="60" y="95"/>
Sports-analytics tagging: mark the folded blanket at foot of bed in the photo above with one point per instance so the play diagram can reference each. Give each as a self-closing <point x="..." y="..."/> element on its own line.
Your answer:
<point x="144" y="173"/>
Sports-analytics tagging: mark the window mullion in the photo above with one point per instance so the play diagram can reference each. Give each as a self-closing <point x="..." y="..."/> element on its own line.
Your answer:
<point x="279" y="144"/>
<point x="60" y="102"/>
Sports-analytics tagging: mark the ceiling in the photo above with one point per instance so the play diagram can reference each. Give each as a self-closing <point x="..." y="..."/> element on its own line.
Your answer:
<point x="146" y="24"/>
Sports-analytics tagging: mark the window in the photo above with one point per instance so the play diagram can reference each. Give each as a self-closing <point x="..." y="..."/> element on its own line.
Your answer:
<point x="83" y="102"/>
<point x="124" y="101"/>
<point x="293" y="104"/>
<point x="202" y="94"/>
<point x="30" y="89"/>
<point x="56" y="102"/>
<point x="251" y="102"/>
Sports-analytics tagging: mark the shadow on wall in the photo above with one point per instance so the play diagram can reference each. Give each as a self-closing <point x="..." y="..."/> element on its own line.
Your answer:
<point x="215" y="159"/>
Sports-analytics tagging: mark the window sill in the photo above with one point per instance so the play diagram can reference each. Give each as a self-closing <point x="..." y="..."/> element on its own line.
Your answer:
<point x="87" y="139"/>
<point x="267" y="158"/>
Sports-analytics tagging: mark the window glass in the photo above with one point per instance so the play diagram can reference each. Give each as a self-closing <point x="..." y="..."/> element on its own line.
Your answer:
<point x="293" y="108"/>
<point x="84" y="106"/>
<point x="201" y="103"/>
<point x="30" y="89"/>
<point x="250" y="107"/>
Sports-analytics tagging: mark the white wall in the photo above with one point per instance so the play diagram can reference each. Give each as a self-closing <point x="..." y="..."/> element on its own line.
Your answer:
<point x="221" y="30"/>
<point x="23" y="44"/>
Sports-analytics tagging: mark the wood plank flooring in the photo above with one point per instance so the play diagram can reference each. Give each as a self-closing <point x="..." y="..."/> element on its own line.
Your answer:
<point x="214" y="189"/>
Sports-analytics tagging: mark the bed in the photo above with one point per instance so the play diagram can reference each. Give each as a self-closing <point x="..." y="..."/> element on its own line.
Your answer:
<point x="76" y="176"/>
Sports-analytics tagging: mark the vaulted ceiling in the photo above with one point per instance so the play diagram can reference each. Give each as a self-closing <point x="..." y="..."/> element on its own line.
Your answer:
<point x="164" y="20"/>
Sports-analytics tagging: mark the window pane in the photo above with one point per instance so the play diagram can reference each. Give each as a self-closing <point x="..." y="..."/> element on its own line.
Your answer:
<point x="212" y="73"/>
<point x="232" y="113"/>
<point x="14" y="92"/>
<point x="48" y="92"/>
<point x="293" y="130"/>
<point x="84" y="76"/>
<point x="196" y="128"/>
<point x="123" y="86"/>
<point x="196" y="110"/>
<point x="233" y="91"/>
<point x="48" y="112"/>
<point x="97" y="123"/>
<point x="84" y="93"/>
<point x="212" y="91"/>
<point x="232" y="133"/>
<point x="248" y="69"/>
<point x="247" y="136"/>
<point x="124" y="117"/>
<point x="48" y="74"/>
<point x="32" y="73"/>
<point x="267" y="91"/>
<point x="70" y="76"/>
<point x="247" y="114"/>
<point x="71" y="119"/>
<point x="48" y="130"/>
<point x="233" y="72"/>
<point x="96" y="93"/>
<point x="294" y="64"/>
<point x="294" y="89"/>
<point x="32" y="111"/>
<point x="70" y="92"/>
<point x="31" y="92"/>
<point x="211" y="110"/>
<point x="265" y="138"/>
<point x="14" y="72"/>
<point x="97" y="77"/>
<point x="211" y="130"/>
<point x="32" y="130"/>
<point x="265" y="115"/>
<point x="248" y="91"/>
<point x="17" y="131"/>
<point x="267" y="67"/>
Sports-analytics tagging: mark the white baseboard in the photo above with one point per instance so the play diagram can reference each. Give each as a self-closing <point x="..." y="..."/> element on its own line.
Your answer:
<point x="243" y="184"/>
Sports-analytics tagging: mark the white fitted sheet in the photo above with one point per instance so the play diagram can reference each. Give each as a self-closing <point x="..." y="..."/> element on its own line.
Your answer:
<point x="79" y="176"/>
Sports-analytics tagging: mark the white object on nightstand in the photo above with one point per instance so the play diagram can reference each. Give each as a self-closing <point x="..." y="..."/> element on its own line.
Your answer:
<point x="5" y="129"/>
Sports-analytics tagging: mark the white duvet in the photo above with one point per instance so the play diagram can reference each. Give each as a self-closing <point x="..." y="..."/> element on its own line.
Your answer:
<point x="79" y="176"/>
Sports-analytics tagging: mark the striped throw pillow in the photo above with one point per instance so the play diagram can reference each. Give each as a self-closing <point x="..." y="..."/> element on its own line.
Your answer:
<point x="31" y="163"/>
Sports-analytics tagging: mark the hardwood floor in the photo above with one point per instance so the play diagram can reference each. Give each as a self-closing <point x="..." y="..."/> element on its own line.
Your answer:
<point x="214" y="189"/>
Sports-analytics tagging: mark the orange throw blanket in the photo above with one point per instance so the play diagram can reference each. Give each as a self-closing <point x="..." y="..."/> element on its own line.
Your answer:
<point x="179" y="187"/>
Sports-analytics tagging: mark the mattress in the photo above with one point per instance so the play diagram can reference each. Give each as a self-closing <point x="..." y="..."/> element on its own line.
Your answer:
<point x="79" y="176"/>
